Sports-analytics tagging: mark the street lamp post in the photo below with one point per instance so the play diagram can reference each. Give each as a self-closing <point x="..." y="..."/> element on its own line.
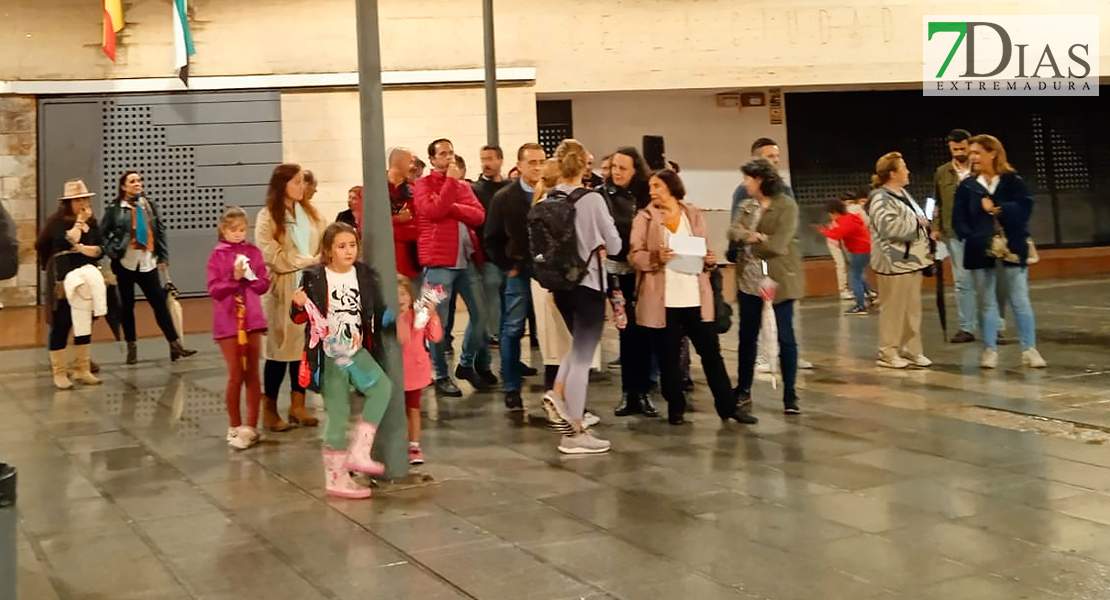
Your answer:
<point x="391" y="446"/>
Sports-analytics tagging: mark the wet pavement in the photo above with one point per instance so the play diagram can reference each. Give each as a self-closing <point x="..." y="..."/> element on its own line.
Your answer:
<point x="891" y="485"/>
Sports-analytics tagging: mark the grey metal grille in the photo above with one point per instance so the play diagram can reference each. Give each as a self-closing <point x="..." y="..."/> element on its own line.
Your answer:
<point x="132" y="142"/>
<point x="552" y="135"/>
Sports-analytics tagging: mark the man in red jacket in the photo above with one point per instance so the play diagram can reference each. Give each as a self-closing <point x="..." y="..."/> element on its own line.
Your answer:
<point x="447" y="213"/>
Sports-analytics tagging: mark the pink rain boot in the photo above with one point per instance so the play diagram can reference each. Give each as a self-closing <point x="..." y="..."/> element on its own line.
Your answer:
<point x="339" y="482"/>
<point x="358" y="455"/>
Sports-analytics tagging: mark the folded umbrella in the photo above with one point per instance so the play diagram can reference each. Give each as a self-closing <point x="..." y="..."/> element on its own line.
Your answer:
<point x="174" y="306"/>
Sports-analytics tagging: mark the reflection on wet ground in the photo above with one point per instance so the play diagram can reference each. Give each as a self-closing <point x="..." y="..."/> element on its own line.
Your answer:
<point x="891" y="485"/>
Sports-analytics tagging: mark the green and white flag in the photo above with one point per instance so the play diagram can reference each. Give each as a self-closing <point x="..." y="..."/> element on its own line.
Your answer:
<point x="182" y="40"/>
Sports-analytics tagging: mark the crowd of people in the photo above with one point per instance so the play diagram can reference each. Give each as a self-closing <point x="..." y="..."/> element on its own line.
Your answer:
<point x="553" y="248"/>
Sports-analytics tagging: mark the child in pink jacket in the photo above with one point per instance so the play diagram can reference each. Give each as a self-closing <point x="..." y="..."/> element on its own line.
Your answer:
<point x="415" y="326"/>
<point x="237" y="278"/>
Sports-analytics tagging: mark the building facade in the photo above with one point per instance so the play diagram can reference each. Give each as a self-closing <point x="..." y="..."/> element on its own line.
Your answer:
<point x="628" y="68"/>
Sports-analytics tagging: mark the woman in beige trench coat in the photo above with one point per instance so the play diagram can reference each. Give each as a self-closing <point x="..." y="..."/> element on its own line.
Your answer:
<point x="288" y="230"/>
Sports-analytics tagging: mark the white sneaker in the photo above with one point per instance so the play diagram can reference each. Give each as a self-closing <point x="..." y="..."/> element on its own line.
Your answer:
<point x="583" y="443"/>
<point x="989" y="359"/>
<point x="231" y="433"/>
<point x="239" y="441"/>
<point x="557" y="414"/>
<point x="1033" y="359"/>
<point x="250" y="433"/>
<point x="893" y="363"/>
<point x="846" y="295"/>
<point x="804" y="364"/>
<point x="589" y="419"/>
<point x="762" y="367"/>
<point x="920" y="360"/>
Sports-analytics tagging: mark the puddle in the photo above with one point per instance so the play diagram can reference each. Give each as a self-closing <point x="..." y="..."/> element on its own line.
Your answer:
<point x="1067" y="430"/>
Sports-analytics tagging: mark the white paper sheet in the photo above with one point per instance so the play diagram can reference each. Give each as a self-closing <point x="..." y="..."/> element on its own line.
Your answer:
<point x="689" y="252"/>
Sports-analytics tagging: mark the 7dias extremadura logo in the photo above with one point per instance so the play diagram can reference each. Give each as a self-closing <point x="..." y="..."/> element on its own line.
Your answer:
<point x="1001" y="55"/>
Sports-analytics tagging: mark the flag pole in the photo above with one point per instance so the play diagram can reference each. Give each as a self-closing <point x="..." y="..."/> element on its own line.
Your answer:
<point x="391" y="445"/>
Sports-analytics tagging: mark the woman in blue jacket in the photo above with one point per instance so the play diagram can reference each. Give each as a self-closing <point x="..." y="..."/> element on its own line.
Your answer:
<point x="996" y="197"/>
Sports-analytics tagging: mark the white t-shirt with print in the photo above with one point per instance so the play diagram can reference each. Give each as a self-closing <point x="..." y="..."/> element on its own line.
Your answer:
<point x="344" y="305"/>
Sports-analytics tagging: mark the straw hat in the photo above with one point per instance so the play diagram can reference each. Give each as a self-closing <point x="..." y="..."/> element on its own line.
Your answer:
<point x="76" y="188"/>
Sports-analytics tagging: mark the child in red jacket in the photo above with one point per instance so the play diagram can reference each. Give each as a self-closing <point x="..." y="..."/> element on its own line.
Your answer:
<point x="850" y="229"/>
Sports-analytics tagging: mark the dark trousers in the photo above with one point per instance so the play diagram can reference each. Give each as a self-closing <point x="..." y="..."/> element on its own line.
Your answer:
<point x="274" y="373"/>
<point x="61" y="322"/>
<point x="635" y="343"/>
<point x="751" y="320"/>
<point x="151" y="285"/>
<point x="686" y="322"/>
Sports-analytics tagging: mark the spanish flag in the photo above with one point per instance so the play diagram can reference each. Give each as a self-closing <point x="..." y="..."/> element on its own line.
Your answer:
<point x="113" y="22"/>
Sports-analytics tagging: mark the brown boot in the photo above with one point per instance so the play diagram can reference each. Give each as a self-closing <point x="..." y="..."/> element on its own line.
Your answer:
<point x="59" y="364"/>
<point x="81" y="366"/>
<point x="271" y="420"/>
<point x="298" y="414"/>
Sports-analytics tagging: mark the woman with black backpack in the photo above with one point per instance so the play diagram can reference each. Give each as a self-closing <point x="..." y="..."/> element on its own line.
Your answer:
<point x="579" y="291"/>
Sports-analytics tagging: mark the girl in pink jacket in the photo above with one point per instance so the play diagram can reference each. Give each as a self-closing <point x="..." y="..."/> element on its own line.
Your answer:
<point x="415" y="326"/>
<point x="237" y="278"/>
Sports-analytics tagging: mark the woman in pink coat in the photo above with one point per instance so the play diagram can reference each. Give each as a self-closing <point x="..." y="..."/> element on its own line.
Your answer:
<point x="237" y="278"/>
<point x="419" y="323"/>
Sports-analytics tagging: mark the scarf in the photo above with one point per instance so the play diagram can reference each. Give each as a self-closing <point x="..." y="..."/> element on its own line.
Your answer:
<point x="142" y="236"/>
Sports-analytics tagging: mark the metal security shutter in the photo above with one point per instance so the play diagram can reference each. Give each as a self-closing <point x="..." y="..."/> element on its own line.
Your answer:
<point x="836" y="137"/>
<point x="197" y="153"/>
<point x="555" y="122"/>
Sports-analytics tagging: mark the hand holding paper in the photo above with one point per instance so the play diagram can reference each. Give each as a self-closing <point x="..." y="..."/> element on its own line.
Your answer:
<point x="689" y="253"/>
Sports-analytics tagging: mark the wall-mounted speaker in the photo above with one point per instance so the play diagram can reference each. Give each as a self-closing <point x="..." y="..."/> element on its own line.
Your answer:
<point x="654" y="152"/>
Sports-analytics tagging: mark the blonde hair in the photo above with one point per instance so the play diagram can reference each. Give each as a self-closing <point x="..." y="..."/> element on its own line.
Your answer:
<point x="549" y="179"/>
<point x="992" y="144"/>
<point x="406" y="284"/>
<point x="231" y="213"/>
<point x="884" y="168"/>
<point x="572" y="158"/>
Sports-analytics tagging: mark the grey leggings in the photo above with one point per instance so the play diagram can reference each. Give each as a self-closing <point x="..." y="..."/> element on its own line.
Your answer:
<point x="583" y="309"/>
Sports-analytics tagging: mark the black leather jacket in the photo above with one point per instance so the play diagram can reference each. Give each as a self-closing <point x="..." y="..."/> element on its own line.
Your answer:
<point x="623" y="205"/>
<point x="117" y="232"/>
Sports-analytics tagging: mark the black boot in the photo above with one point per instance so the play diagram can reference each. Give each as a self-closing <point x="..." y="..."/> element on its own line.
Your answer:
<point x="649" y="406"/>
<point x="132" y="353"/>
<point x="630" y="405"/>
<point x="178" y="351"/>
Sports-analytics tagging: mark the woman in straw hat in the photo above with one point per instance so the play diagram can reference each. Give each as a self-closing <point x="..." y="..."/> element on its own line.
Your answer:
<point x="68" y="241"/>
<point x="135" y="237"/>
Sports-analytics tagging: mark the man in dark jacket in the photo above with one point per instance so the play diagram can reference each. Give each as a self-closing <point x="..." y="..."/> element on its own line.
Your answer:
<point x="489" y="183"/>
<point x="446" y="214"/>
<point x="507" y="248"/>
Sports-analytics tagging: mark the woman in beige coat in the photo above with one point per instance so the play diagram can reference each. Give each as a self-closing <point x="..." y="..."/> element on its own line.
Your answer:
<point x="673" y="302"/>
<point x="288" y="230"/>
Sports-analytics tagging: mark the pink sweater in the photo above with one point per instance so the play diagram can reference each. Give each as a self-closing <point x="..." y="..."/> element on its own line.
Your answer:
<point x="418" y="365"/>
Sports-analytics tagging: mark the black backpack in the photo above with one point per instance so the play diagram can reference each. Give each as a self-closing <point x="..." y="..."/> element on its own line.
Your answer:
<point x="553" y="241"/>
<point x="9" y="246"/>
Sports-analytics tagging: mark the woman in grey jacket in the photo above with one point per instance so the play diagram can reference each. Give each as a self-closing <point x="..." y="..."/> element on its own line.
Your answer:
<point x="899" y="254"/>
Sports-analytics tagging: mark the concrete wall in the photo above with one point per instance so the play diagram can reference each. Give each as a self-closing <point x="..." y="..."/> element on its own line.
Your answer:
<point x="18" y="192"/>
<point x="320" y="130"/>
<point x="576" y="45"/>
<point x="707" y="142"/>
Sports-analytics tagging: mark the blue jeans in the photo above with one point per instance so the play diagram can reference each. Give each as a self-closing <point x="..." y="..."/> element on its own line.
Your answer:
<point x="1016" y="280"/>
<point x="751" y="321"/>
<point x="475" y="343"/>
<point x="493" y="278"/>
<point x="518" y="297"/>
<point x="967" y="305"/>
<point x="856" y="265"/>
